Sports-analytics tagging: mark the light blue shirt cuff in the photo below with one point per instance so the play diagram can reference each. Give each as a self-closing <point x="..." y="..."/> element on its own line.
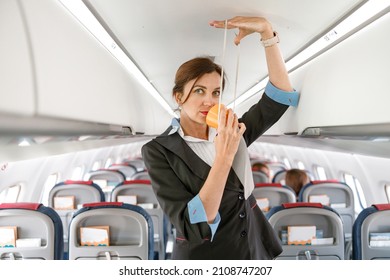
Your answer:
<point x="289" y="98"/>
<point x="197" y="214"/>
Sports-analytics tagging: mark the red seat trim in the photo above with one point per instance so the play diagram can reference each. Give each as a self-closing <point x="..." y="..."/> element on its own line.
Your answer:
<point x="302" y="204"/>
<point x="21" y="205"/>
<point x="382" y="207"/>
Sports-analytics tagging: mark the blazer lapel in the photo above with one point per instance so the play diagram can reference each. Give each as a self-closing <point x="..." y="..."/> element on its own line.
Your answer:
<point x="179" y="147"/>
<point x="176" y="144"/>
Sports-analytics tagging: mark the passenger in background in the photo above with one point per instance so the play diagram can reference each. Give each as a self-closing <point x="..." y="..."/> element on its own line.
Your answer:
<point x="202" y="176"/>
<point x="262" y="167"/>
<point x="296" y="179"/>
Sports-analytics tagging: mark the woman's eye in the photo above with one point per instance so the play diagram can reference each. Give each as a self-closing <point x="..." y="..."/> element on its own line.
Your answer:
<point x="217" y="93"/>
<point x="198" y="90"/>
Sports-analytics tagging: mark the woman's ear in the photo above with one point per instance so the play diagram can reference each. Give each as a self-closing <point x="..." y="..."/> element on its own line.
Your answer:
<point x="178" y="97"/>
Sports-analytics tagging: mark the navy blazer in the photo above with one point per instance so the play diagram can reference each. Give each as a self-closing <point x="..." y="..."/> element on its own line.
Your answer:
<point x="177" y="175"/>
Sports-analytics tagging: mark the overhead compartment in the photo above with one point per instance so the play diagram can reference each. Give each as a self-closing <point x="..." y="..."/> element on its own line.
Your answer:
<point x="76" y="78"/>
<point x="17" y="89"/>
<point x="339" y="87"/>
<point x="348" y="81"/>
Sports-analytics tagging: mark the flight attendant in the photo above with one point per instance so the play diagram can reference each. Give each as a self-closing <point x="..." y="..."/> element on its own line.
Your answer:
<point x="202" y="176"/>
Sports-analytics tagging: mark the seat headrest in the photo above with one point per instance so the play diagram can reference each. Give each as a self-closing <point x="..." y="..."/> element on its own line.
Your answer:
<point x="261" y="185"/>
<point x="100" y="204"/>
<point x="381" y="207"/>
<point x="302" y="204"/>
<point x="20" y="205"/>
<point x="324" y="181"/>
<point x="70" y="182"/>
<point x="132" y="182"/>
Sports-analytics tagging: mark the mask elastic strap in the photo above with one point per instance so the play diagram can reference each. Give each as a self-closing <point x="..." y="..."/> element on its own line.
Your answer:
<point x="236" y="80"/>
<point x="222" y="68"/>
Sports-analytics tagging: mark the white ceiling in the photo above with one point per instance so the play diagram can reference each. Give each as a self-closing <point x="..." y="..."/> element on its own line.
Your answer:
<point x="160" y="35"/>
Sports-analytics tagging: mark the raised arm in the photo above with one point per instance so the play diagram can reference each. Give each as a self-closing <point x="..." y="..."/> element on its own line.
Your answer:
<point x="247" y="25"/>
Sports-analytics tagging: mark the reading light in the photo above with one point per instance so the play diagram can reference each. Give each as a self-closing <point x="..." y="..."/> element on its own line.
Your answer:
<point x="24" y="142"/>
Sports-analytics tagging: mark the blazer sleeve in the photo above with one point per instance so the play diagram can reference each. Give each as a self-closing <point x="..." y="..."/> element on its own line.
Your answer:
<point x="260" y="117"/>
<point x="172" y="194"/>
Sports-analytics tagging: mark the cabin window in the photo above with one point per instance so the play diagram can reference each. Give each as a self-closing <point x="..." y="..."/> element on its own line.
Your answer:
<point x="77" y="173"/>
<point x="51" y="181"/>
<point x="387" y="191"/>
<point x="320" y="172"/>
<point x="301" y="165"/>
<point x="287" y="163"/>
<point x="10" y="194"/>
<point x="274" y="158"/>
<point x="360" y="201"/>
<point x="96" y="165"/>
<point x="119" y="159"/>
<point x="108" y="163"/>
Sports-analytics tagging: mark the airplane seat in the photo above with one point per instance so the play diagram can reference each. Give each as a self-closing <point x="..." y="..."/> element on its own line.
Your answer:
<point x="111" y="231"/>
<point x="273" y="166"/>
<point x="335" y="194"/>
<point x="140" y="192"/>
<point x="308" y="231"/>
<point x="260" y="177"/>
<point x="280" y="176"/>
<point x="127" y="169"/>
<point x="142" y="175"/>
<point x="371" y="233"/>
<point x="107" y="179"/>
<point x="30" y="231"/>
<point x="138" y="163"/>
<point x="269" y="195"/>
<point x="65" y="197"/>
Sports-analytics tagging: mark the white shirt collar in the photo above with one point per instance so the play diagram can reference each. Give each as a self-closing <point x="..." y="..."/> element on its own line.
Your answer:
<point x="177" y="128"/>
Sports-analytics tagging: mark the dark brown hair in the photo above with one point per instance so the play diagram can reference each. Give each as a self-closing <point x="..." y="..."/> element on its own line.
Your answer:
<point x="194" y="69"/>
<point x="262" y="167"/>
<point x="296" y="179"/>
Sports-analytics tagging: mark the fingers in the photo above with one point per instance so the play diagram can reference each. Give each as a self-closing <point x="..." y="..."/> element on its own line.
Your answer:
<point x="220" y="24"/>
<point x="222" y="117"/>
<point x="226" y="117"/>
<point x="242" y="23"/>
<point x="238" y="37"/>
<point x="228" y="121"/>
<point x="231" y="23"/>
<point x="241" y="128"/>
<point x="231" y="118"/>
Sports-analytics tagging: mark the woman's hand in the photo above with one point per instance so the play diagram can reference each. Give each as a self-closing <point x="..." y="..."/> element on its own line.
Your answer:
<point x="229" y="135"/>
<point x="246" y="26"/>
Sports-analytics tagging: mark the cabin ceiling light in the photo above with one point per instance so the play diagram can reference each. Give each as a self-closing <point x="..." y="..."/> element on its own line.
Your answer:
<point x="24" y="142"/>
<point x="350" y="24"/>
<point x="89" y="21"/>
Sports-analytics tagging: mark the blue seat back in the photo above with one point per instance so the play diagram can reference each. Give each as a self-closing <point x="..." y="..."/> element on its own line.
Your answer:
<point x="130" y="229"/>
<point x="340" y="196"/>
<point x="33" y="220"/>
<point x="275" y="193"/>
<point x="126" y="168"/>
<point x="82" y="192"/>
<point x="145" y="196"/>
<point x="371" y="233"/>
<point x="260" y="177"/>
<point x="107" y="179"/>
<point x="327" y="224"/>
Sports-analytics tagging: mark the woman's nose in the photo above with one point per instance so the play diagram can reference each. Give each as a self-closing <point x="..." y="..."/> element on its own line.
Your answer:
<point x="208" y="100"/>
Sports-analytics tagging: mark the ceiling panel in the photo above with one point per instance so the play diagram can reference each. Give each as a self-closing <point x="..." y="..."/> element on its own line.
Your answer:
<point x="160" y="35"/>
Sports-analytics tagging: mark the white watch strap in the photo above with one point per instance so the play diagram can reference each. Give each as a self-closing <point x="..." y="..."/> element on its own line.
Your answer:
<point x="271" y="41"/>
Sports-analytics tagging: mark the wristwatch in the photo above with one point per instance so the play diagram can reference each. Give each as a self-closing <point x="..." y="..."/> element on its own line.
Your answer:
<point x="271" y="41"/>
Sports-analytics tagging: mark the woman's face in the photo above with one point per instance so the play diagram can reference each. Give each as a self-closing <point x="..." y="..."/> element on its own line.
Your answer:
<point x="204" y="95"/>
